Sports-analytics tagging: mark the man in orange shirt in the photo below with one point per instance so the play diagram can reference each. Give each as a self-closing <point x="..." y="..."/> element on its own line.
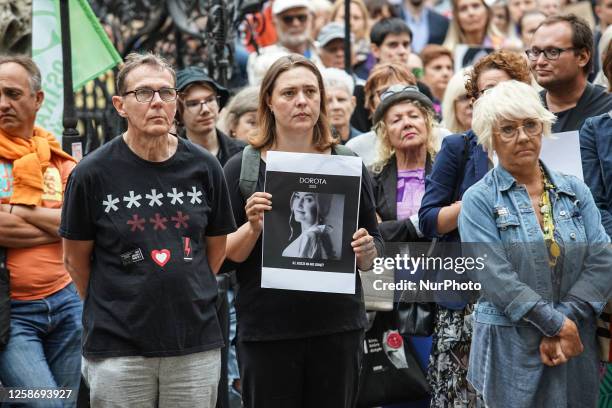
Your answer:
<point x="43" y="350"/>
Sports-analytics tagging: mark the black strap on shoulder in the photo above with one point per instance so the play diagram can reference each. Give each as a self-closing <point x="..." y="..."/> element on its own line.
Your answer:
<point x="249" y="171"/>
<point x="461" y="168"/>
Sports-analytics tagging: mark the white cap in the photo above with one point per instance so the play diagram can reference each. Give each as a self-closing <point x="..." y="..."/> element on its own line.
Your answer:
<point x="282" y="5"/>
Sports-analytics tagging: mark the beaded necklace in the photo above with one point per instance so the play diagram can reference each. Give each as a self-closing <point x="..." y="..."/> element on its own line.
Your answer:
<point x="554" y="251"/>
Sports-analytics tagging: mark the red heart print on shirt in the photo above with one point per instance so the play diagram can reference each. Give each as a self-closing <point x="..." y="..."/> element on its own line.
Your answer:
<point x="160" y="257"/>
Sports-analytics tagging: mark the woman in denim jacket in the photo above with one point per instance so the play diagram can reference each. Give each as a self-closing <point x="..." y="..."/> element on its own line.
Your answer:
<point x="547" y="264"/>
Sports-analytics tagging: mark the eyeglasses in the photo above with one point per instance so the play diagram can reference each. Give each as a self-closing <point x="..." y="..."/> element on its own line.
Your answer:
<point x="551" y="54"/>
<point x="289" y="19"/>
<point x="147" y="95"/>
<point x="531" y="128"/>
<point x="195" y="106"/>
<point x="394" y="89"/>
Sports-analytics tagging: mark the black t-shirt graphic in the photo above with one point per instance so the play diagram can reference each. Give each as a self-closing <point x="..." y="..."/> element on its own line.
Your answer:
<point x="151" y="291"/>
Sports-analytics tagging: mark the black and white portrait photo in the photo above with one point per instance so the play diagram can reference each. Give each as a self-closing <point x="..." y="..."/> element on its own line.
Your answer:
<point x="315" y="225"/>
<point x="306" y="239"/>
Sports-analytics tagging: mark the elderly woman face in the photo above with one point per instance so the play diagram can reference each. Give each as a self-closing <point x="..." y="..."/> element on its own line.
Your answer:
<point x="304" y="207"/>
<point x="463" y="111"/>
<point x="406" y="126"/>
<point x="517" y="142"/>
<point x="246" y="126"/>
<point x="340" y="106"/>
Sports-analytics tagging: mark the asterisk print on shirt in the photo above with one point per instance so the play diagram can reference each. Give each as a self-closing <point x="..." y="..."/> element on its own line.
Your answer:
<point x="132" y="198"/>
<point x="155" y="212"/>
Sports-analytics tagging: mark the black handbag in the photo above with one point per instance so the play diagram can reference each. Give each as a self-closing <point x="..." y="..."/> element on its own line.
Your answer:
<point x="390" y="372"/>
<point x="5" y="301"/>
<point x="415" y="317"/>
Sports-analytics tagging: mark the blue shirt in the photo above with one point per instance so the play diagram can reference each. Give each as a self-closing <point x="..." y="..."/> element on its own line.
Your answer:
<point x="419" y="25"/>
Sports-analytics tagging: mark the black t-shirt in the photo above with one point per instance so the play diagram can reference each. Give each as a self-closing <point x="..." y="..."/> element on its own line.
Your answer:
<point x="275" y="314"/>
<point x="151" y="292"/>
<point x="594" y="101"/>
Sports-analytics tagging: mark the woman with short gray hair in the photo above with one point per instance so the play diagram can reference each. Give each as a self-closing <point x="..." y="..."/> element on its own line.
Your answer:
<point x="339" y="87"/>
<point x="547" y="264"/>
<point x="240" y="115"/>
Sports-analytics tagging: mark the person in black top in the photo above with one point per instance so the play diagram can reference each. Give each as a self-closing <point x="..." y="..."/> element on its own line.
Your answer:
<point x="144" y="223"/>
<point x="295" y="348"/>
<point x="561" y="58"/>
<point x="200" y="101"/>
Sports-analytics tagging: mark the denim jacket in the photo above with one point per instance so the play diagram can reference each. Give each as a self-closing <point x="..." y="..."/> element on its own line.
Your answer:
<point x="517" y="277"/>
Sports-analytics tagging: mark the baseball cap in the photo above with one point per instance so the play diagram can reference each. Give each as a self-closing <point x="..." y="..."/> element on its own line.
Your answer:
<point x="191" y="75"/>
<point x="281" y="5"/>
<point x="330" y="32"/>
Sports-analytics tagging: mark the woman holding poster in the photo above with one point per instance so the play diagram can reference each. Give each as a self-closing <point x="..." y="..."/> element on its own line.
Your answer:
<point x="295" y="348"/>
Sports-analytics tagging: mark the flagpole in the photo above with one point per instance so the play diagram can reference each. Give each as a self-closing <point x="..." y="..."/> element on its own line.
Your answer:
<point x="347" y="38"/>
<point x="71" y="140"/>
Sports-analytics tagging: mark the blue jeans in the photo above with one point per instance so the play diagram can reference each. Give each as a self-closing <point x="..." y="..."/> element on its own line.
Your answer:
<point x="44" y="348"/>
<point x="233" y="373"/>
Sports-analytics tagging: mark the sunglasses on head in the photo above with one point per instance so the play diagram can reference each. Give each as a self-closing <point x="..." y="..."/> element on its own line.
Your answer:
<point x="290" y="18"/>
<point x="393" y="89"/>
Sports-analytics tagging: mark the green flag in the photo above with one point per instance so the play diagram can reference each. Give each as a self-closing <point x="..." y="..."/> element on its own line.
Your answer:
<point x="92" y="52"/>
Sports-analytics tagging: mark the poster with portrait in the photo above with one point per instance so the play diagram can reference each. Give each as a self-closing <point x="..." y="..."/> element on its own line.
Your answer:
<point x="307" y="235"/>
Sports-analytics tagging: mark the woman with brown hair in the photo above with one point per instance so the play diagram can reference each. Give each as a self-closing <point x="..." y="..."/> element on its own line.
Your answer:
<point x="295" y="348"/>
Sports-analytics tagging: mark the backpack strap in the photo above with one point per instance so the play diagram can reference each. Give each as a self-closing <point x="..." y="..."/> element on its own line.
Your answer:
<point x="342" y="150"/>
<point x="461" y="168"/>
<point x="249" y="171"/>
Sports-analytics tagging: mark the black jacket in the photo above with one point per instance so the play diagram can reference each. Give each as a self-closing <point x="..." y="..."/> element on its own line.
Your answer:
<point x="438" y="24"/>
<point x="385" y="196"/>
<point x="228" y="146"/>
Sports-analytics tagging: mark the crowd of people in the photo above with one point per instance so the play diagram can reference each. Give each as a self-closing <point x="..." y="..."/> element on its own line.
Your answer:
<point x="111" y="261"/>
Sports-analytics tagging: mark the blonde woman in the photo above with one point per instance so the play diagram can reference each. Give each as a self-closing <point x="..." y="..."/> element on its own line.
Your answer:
<point x="472" y="25"/>
<point x="456" y="104"/>
<point x="404" y="125"/>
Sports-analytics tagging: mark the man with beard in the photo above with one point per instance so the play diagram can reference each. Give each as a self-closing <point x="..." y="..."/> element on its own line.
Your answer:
<point x="561" y="58"/>
<point x="292" y="20"/>
<point x="427" y="26"/>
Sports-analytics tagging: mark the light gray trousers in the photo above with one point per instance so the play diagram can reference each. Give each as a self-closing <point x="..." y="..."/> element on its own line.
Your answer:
<point x="150" y="382"/>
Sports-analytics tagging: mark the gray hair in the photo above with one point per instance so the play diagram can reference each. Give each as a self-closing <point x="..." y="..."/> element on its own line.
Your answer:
<point x="135" y="60"/>
<point x="334" y="77"/>
<point x="501" y="102"/>
<point x="29" y="65"/>
<point x="247" y="100"/>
